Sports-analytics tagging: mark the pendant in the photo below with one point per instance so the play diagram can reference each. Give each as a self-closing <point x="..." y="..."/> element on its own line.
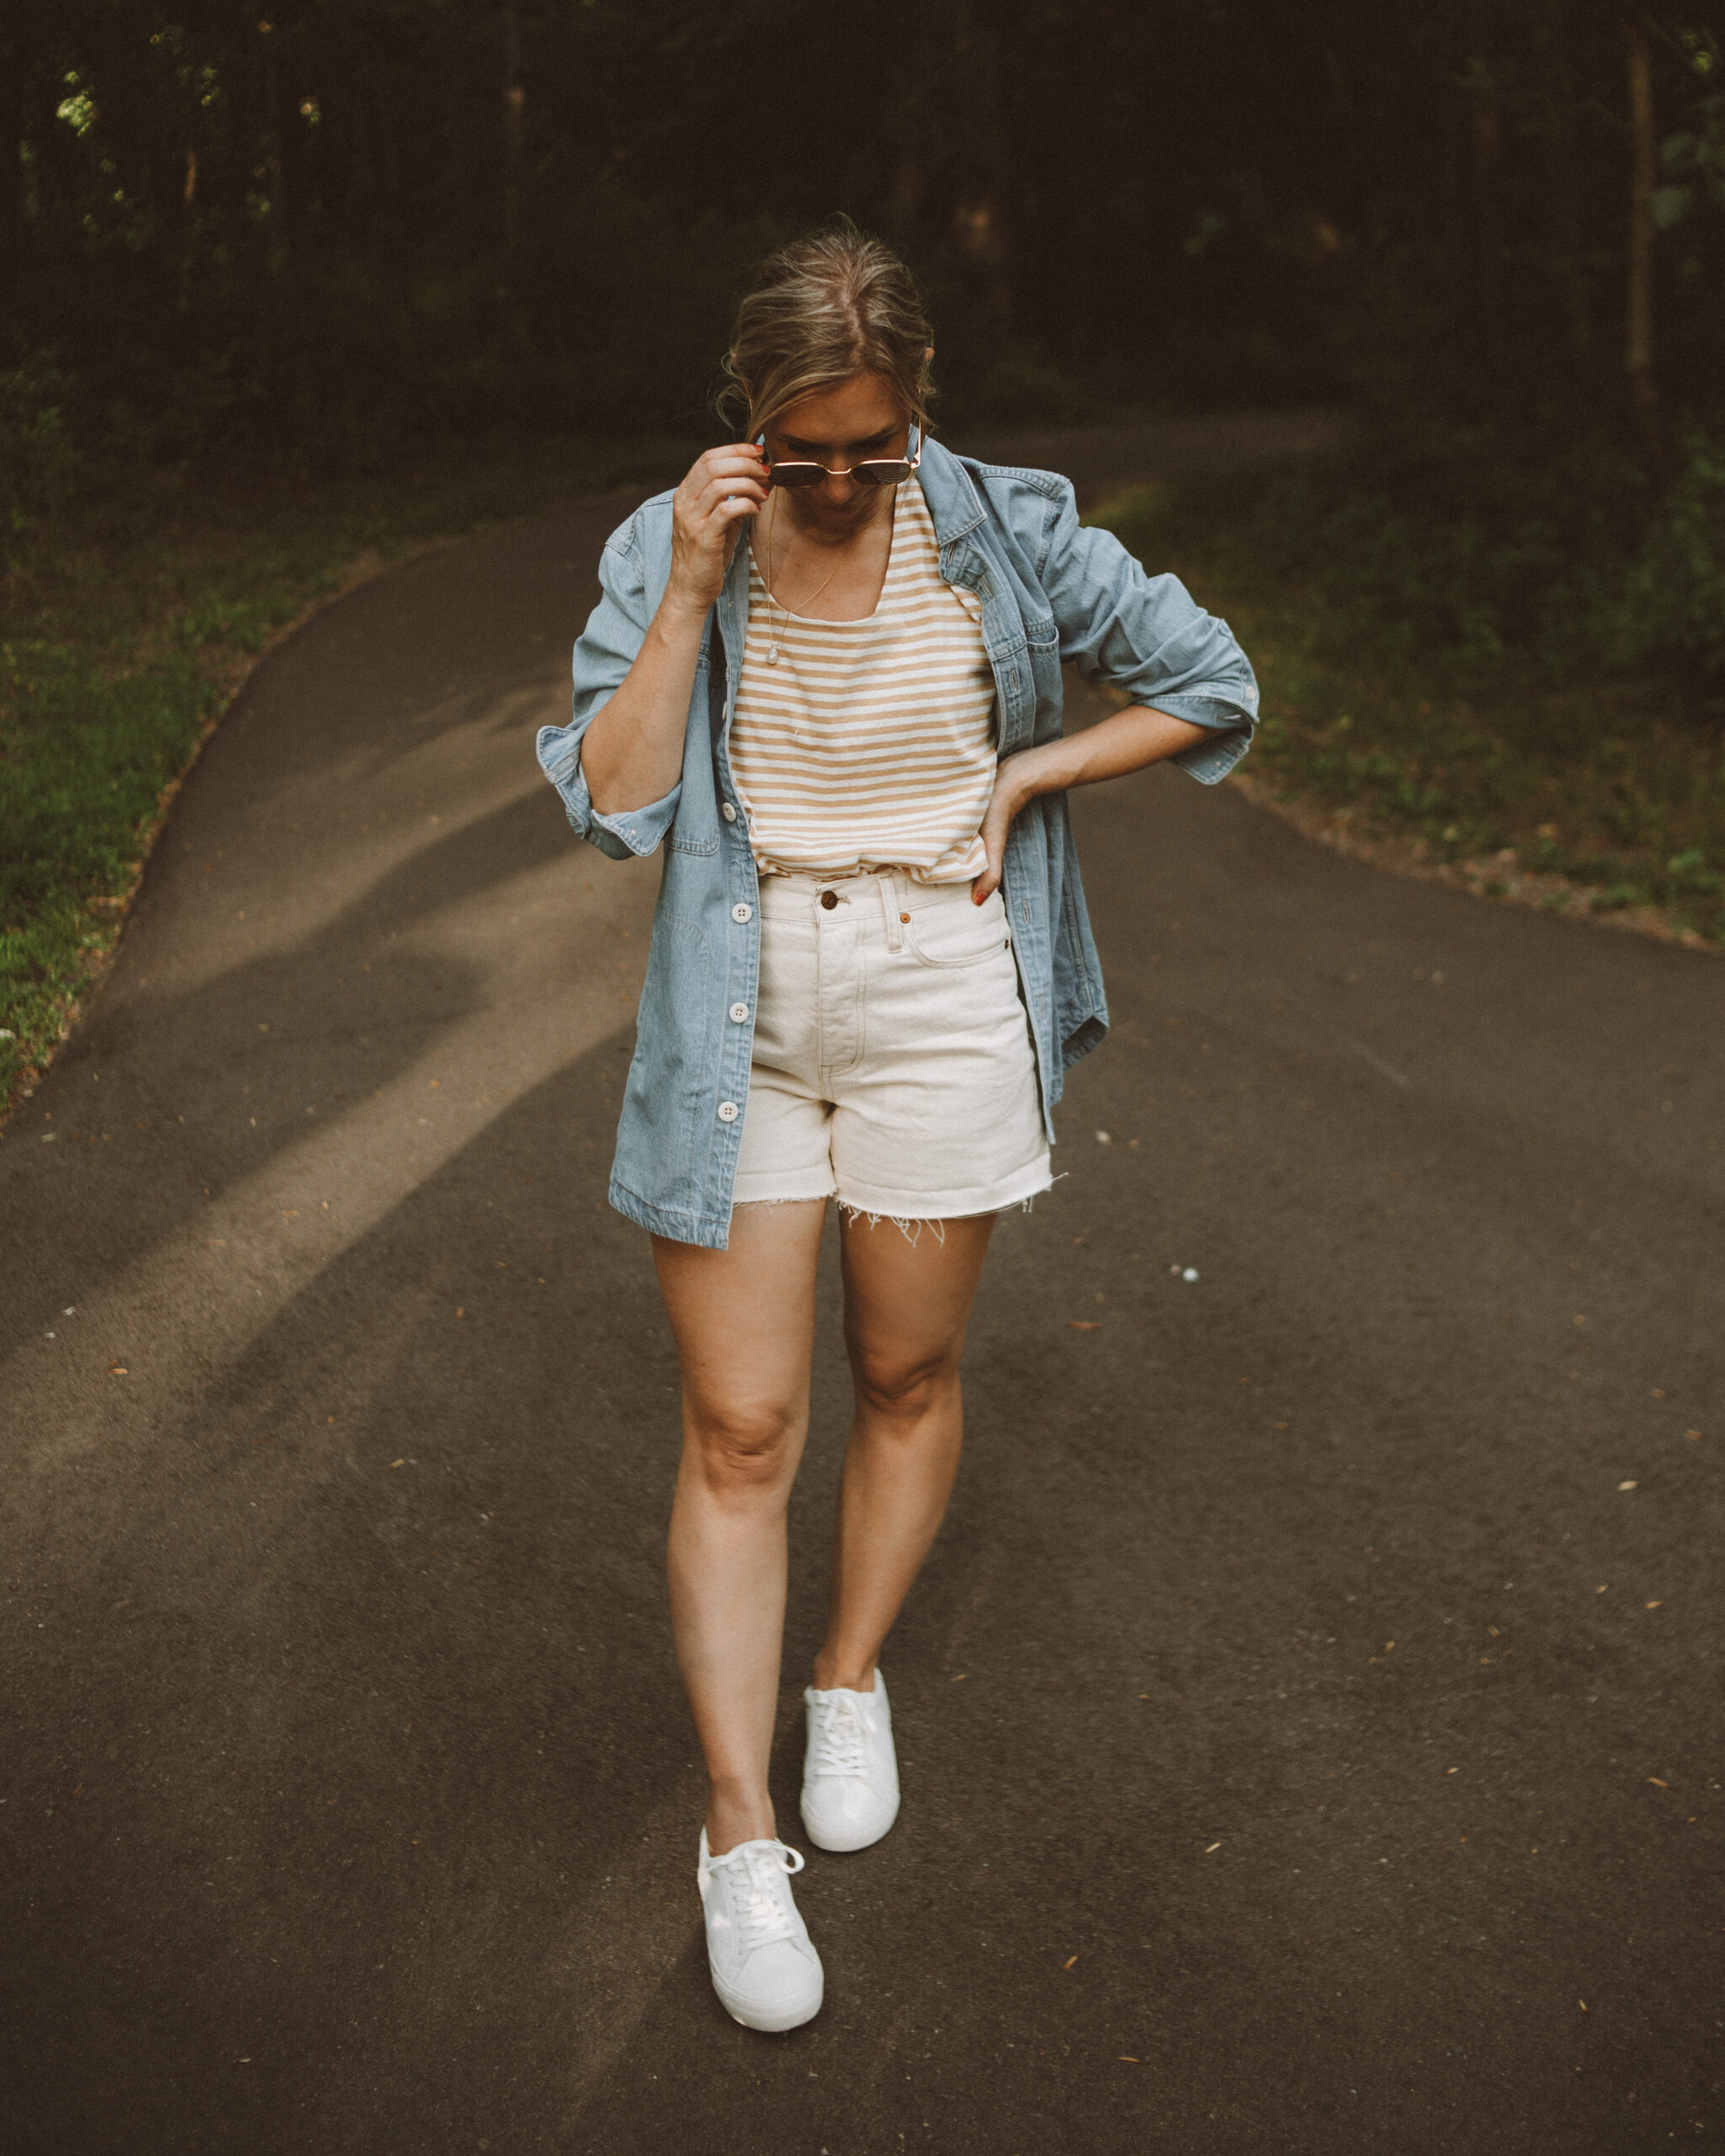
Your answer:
<point x="772" y="654"/>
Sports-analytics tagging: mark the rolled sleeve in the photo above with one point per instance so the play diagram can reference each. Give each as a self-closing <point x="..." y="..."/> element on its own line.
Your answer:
<point x="1149" y="638"/>
<point x="605" y="652"/>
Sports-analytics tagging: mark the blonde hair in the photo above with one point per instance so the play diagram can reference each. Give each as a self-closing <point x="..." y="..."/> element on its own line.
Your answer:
<point x="821" y="310"/>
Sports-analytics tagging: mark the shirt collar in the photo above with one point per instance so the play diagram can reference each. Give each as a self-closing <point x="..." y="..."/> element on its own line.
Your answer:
<point x="954" y="503"/>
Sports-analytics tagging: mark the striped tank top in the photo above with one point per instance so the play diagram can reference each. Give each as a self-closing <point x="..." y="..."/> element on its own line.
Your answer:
<point x="869" y="744"/>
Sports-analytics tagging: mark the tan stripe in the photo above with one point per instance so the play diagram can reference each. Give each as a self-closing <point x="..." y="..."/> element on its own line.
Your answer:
<point x="869" y="743"/>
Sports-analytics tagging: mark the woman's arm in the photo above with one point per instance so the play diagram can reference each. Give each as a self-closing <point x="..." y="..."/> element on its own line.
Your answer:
<point x="1126" y="742"/>
<point x="631" y="755"/>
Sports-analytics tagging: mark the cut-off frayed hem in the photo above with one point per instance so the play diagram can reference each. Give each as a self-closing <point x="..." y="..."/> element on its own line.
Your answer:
<point x="909" y="1226"/>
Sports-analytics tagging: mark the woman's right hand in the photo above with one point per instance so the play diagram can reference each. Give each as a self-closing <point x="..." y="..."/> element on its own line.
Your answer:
<point x="721" y="487"/>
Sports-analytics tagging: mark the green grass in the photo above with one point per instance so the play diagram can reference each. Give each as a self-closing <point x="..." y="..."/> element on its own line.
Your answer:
<point x="122" y="635"/>
<point x="1591" y="798"/>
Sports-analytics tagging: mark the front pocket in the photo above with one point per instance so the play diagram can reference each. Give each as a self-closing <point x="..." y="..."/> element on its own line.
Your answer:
<point x="955" y="936"/>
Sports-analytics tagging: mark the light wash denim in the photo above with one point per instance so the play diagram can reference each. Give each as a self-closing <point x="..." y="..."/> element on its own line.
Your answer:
<point x="1051" y="590"/>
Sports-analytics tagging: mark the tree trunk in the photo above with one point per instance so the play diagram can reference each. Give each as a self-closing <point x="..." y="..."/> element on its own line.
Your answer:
<point x="515" y="98"/>
<point x="1565" y="194"/>
<point x="276" y="236"/>
<point x="1638" y="352"/>
<point x="10" y="182"/>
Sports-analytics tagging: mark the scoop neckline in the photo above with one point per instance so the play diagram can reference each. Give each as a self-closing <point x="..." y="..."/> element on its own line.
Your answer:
<point x="862" y="621"/>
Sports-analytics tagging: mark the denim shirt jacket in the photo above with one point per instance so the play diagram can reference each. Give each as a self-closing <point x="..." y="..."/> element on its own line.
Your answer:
<point x="1051" y="590"/>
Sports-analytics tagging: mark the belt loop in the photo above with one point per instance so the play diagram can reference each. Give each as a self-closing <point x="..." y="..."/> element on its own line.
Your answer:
<point x="890" y="907"/>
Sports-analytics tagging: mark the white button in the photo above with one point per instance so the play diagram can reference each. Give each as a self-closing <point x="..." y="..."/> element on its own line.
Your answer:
<point x="740" y="1012"/>
<point x="728" y="1111"/>
<point x="740" y="912"/>
<point x="728" y="810"/>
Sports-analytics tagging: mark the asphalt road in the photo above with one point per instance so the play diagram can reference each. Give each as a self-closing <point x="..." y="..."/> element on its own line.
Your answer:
<point x="348" y="1798"/>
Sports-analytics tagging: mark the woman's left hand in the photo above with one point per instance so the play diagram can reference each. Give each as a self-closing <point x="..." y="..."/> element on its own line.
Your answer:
<point x="1011" y="793"/>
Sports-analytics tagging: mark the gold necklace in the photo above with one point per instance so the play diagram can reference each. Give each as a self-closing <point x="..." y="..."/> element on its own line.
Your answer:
<point x="767" y="585"/>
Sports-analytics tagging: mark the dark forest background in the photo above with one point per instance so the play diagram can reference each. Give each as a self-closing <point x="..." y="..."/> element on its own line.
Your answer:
<point x="315" y="236"/>
<point x="329" y="225"/>
<point x="293" y="287"/>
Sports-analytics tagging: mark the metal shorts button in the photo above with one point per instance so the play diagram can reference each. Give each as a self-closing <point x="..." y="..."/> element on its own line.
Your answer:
<point x="728" y="1111"/>
<point x="741" y="912"/>
<point x="829" y="900"/>
<point x="740" y="1012"/>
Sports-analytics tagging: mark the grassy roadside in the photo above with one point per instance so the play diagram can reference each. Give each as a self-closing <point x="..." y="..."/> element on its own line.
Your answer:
<point x="125" y="634"/>
<point x="1586" y="801"/>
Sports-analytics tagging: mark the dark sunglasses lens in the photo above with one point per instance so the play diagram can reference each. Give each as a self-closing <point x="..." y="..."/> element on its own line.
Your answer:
<point x="882" y="472"/>
<point x="796" y="475"/>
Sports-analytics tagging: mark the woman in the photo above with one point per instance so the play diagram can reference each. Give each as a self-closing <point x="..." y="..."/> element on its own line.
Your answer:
<point x="825" y="675"/>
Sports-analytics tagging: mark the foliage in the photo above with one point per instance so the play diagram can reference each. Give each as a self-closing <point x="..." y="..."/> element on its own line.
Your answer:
<point x="1508" y="770"/>
<point x="39" y="463"/>
<point x="1671" y="618"/>
<point x="125" y="637"/>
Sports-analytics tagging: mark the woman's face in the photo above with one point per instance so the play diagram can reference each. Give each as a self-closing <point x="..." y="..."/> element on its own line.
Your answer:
<point x="838" y="427"/>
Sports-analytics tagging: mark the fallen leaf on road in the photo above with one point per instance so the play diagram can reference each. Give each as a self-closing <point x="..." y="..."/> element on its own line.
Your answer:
<point x="1084" y="1324"/>
<point x="1127" y="2059"/>
<point x="461" y="1310"/>
<point x="118" y="1370"/>
<point x="397" y="1463"/>
<point x="961" y="1676"/>
<point x="1657" y="1783"/>
<point x="1629" y="1485"/>
<point x="1692" y="1434"/>
<point x="1654" y="1605"/>
<point x="1069" y="1961"/>
<point x="1213" y="1848"/>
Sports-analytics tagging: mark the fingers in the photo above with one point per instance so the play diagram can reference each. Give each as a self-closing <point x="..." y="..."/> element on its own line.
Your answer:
<point x="993" y="842"/>
<point x="731" y="487"/>
<point x="736" y="461"/>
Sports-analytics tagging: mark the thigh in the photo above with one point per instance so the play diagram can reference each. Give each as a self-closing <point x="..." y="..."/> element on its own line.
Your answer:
<point x="744" y="1318"/>
<point x="908" y="1294"/>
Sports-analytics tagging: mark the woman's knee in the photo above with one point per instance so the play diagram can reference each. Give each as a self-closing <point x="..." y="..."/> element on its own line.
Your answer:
<point x="900" y="1385"/>
<point x="742" y="1445"/>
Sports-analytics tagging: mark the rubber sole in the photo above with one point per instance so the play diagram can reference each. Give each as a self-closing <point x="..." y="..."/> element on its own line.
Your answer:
<point x="770" y="2025"/>
<point x="849" y="1848"/>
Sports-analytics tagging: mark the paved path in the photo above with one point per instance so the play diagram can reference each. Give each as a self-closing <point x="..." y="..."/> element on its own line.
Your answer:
<point x="348" y="1799"/>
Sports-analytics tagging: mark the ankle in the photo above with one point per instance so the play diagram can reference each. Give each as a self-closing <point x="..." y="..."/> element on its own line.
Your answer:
<point x="738" y="1814"/>
<point x="834" y="1674"/>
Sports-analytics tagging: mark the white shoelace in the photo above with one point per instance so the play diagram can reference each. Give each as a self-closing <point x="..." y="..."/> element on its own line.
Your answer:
<point x="837" y="1728"/>
<point x="764" y="1909"/>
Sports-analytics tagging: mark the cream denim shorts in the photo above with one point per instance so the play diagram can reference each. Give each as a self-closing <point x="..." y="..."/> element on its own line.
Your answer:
<point x="893" y="1068"/>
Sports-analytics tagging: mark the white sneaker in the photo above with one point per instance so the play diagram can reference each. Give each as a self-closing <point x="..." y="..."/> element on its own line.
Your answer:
<point x="765" y="1971"/>
<point x="850" y="1771"/>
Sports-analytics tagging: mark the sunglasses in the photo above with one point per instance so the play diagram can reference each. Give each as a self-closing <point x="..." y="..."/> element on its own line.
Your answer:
<point x="872" y="471"/>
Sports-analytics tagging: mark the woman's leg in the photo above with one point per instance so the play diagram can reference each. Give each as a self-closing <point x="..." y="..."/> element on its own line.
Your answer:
<point x="744" y="1321"/>
<point x="906" y="1304"/>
